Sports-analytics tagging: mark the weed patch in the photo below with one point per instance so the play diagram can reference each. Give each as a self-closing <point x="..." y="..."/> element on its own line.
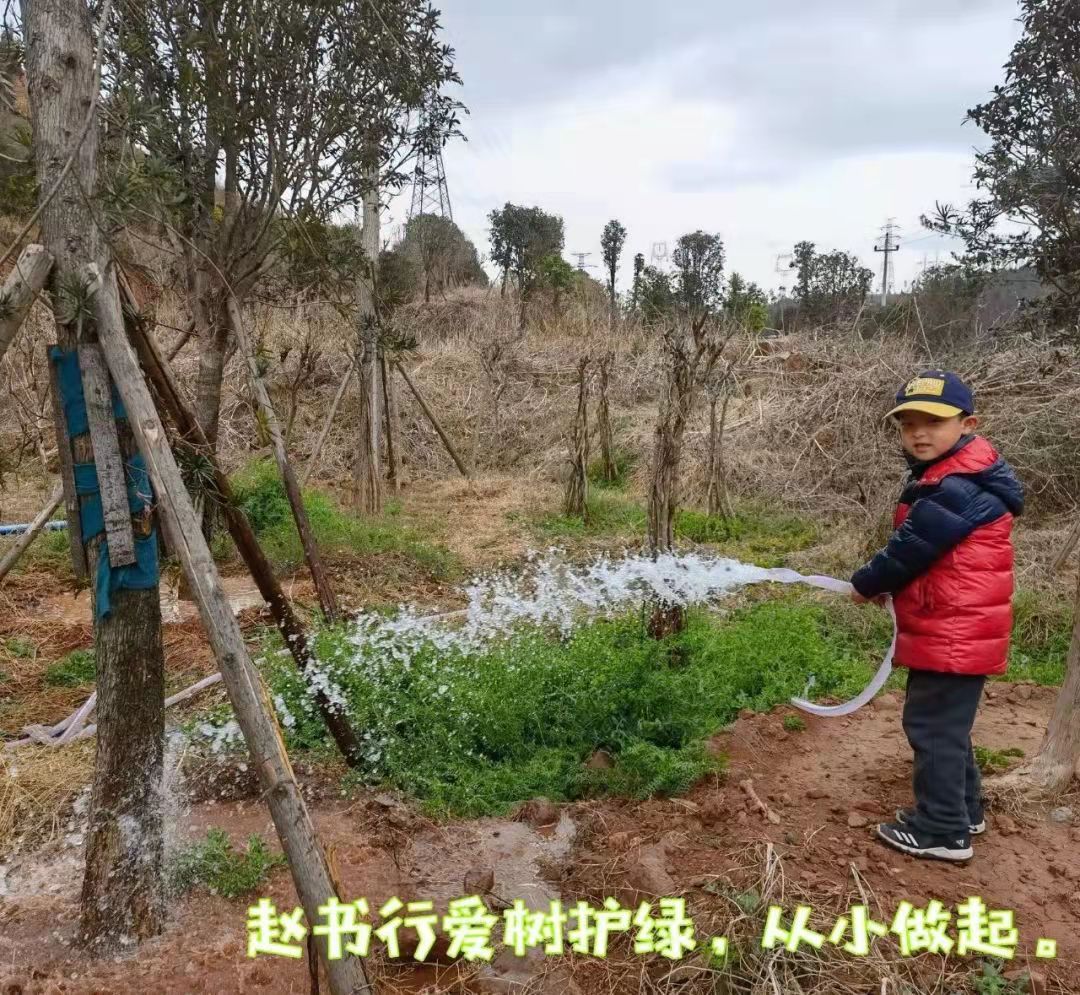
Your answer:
<point x="471" y="734"/>
<point x="996" y="761"/>
<point x="75" y="670"/>
<point x="214" y="864"/>
<point x="260" y="494"/>
<point x="1042" y="629"/>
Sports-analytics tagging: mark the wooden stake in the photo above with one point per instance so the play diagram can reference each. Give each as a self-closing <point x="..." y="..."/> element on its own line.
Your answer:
<point x="24" y="541"/>
<point x="434" y="421"/>
<point x="20" y="290"/>
<point x="327" y="599"/>
<point x="112" y="481"/>
<point x="328" y="424"/>
<point x="250" y="699"/>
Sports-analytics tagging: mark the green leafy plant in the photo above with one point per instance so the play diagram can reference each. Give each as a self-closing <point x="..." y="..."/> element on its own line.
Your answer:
<point x="992" y="981"/>
<point x="224" y="871"/>
<point x="793" y="723"/>
<point x="74" y="670"/>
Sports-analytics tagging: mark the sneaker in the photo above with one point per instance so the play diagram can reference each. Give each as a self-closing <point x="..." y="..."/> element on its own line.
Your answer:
<point x="905" y="815"/>
<point x="918" y="844"/>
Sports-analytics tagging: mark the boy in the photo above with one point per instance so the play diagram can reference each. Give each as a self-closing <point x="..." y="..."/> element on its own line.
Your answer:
<point x="949" y="567"/>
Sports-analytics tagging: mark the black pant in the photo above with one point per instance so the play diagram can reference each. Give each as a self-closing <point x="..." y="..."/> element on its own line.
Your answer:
<point x="939" y="712"/>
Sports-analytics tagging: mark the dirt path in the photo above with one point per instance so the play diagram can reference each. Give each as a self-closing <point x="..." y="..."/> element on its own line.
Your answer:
<point x="822" y="783"/>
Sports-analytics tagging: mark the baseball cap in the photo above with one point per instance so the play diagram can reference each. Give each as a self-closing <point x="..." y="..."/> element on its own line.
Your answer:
<point x="935" y="392"/>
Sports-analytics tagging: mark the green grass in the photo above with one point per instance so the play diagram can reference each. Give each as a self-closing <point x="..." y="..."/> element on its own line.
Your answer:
<point x="261" y="495"/>
<point x="75" y="670"/>
<point x="792" y="723"/>
<point x="751" y="534"/>
<point x="996" y="761"/>
<point x="470" y="735"/>
<point x="624" y="466"/>
<point x="214" y="864"/>
<point x="1042" y="628"/>
<point x="21" y="649"/>
<point x="49" y="552"/>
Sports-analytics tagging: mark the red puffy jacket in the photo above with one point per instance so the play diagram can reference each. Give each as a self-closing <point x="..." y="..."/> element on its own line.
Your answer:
<point x="949" y="564"/>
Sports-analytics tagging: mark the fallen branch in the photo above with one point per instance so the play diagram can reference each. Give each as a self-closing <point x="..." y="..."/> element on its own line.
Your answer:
<point x="748" y="789"/>
<point x="24" y="541"/>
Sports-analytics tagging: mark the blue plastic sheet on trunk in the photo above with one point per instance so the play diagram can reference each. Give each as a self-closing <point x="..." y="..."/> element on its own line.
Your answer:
<point x="143" y="575"/>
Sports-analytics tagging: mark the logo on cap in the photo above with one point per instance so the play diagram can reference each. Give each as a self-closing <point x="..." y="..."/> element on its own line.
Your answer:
<point x="926" y="386"/>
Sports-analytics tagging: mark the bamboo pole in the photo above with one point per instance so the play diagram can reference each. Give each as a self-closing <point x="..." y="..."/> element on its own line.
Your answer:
<point x="292" y="632"/>
<point x="20" y="290"/>
<point x="420" y="399"/>
<point x="307" y="862"/>
<point x="327" y="599"/>
<point x="24" y="541"/>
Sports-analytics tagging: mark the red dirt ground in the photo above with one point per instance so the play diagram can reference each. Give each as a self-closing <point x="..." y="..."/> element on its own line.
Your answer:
<point x="818" y="782"/>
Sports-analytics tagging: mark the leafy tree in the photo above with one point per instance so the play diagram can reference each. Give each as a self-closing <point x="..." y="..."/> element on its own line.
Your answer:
<point x="639" y="268"/>
<point x="399" y="280"/>
<point x="699" y="265"/>
<point x="442" y="253"/>
<point x="829" y="285"/>
<point x="293" y="108"/>
<point x="612" y="242"/>
<point x="521" y="237"/>
<point x="656" y="295"/>
<point x="746" y="303"/>
<point x="556" y="275"/>
<point x="1031" y="170"/>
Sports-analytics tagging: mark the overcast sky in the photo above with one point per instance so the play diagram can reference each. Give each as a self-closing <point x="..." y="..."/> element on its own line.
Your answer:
<point x="767" y="121"/>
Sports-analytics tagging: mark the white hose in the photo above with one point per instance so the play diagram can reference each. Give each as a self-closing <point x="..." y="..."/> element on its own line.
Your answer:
<point x="783" y="576"/>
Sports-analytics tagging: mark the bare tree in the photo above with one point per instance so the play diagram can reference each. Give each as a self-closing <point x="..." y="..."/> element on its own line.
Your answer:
<point x="691" y="350"/>
<point x="603" y="420"/>
<point x="122" y="894"/>
<point x="367" y="473"/>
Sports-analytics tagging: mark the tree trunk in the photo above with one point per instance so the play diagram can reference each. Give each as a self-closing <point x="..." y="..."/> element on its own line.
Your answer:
<point x="1056" y="763"/>
<point x="20" y="290"/>
<point x="367" y="471"/>
<point x="329" y="423"/>
<point x="603" y="422"/>
<point x="393" y="427"/>
<point x="327" y="598"/>
<point x="576" y="503"/>
<point x="121" y="896"/>
<point x="212" y="358"/>
<point x="312" y="875"/>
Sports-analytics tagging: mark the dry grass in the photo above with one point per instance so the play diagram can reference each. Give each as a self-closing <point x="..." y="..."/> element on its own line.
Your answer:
<point x="37" y="784"/>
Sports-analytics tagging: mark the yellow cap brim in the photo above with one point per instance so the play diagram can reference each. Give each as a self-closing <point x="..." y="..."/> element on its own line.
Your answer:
<point x="927" y="408"/>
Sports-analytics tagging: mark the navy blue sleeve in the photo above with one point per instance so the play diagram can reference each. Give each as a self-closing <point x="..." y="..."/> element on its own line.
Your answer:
<point x="939" y="520"/>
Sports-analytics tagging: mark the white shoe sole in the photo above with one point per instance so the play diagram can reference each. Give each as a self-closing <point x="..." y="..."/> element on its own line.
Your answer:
<point x="933" y="852"/>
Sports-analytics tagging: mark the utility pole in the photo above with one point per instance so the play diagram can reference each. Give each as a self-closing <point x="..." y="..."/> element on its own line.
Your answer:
<point x="659" y="253"/>
<point x="581" y="257"/>
<point x="891" y="233"/>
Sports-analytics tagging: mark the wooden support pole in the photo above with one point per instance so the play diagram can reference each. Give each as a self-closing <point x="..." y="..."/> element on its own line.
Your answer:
<point x="307" y="862"/>
<point x="20" y="290"/>
<point x="328" y="424"/>
<point x="112" y="481"/>
<point x="393" y="469"/>
<point x="425" y="407"/>
<point x="24" y="541"/>
<point x="292" y="632"/>
<point x="327" y="599"/>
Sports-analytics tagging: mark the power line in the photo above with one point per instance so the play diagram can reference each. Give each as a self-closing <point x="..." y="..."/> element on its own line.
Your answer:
<point x="890" y="245"/>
